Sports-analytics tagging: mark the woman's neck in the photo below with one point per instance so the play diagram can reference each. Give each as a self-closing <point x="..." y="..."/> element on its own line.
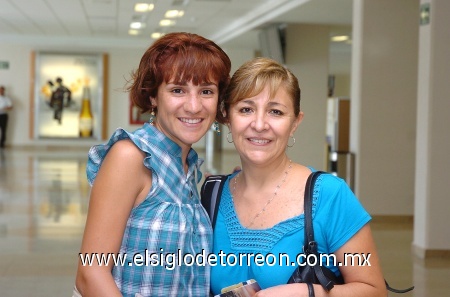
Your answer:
<point x="258" y="175"/>
<point x="184" y="158"/>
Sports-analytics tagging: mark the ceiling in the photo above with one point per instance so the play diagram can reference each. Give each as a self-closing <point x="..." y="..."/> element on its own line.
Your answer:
<point x="232" y="23"/>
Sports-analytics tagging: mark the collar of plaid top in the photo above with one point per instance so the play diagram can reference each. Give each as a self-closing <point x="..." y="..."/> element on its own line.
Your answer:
<point x="171" y="147"/>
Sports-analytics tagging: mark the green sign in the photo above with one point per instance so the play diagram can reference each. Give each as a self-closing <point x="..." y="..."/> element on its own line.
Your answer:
<point x="4" y="65"/>
<point x="425" y="14"/>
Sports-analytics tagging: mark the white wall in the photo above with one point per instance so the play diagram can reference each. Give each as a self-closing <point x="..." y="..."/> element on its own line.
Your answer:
<point x="383" y="103"/>
<point x="307" y="56"/>
<point x="340" y="66"/>
<point x="17" y="80"/>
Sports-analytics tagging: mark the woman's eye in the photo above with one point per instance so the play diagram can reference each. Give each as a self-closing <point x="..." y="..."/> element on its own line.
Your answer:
<point x="177" y="91"/>
<point x="207" y="92"/>
<point x="245" y="110"/>
<point x="276" y="112"/>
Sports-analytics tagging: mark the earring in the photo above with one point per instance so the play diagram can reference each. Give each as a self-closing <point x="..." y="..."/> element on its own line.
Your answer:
<point x="292" y="143"/>
<point x="152" y="117"/>
<point x="229" y="133"/>
<point x="216" y="127"/>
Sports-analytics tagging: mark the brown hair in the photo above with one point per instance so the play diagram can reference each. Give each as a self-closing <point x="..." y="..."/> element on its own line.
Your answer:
<point x="181" y="57"/>
<point x="251" y="79"/>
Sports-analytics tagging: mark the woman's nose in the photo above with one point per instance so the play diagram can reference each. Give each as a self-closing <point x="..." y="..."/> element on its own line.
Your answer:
<point x="260" y="123"/>
<point x="193" y="104"/>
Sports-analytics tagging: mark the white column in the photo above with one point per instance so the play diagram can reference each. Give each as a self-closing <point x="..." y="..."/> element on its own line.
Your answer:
<point x="432" y="198"/>
<point x="383" y="103"/>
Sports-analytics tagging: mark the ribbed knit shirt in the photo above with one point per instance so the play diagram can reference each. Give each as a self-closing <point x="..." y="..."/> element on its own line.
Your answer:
<point x="337" y="216"/>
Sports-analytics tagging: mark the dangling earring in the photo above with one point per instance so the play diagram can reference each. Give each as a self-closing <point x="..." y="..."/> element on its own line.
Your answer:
<point x="229" y="133"/>
<point x="216" y="127"/>
<point x="152" y="117"/>
<point x="292" y="143"/>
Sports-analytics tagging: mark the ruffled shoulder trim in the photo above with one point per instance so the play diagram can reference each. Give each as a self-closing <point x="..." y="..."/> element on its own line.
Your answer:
<point x="98" y="153"/>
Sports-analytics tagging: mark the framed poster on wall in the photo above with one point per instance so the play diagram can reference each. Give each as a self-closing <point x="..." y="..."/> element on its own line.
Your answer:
<point x="69" y="95"/>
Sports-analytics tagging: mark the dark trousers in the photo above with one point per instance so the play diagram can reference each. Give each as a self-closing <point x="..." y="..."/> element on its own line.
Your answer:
<point x="3" y="126"/>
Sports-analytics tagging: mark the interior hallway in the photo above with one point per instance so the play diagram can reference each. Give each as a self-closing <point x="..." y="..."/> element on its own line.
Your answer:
<point x="43" y="205"/>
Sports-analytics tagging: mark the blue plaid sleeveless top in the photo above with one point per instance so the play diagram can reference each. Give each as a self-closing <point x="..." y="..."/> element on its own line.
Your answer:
<point x="169" y="228"/>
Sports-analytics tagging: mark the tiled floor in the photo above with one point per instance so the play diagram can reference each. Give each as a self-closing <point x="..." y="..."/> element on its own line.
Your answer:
<point x="43" y="204"/>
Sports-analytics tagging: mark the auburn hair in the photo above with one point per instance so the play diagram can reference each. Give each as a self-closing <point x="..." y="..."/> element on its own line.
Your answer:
<point x="178" y="57"/>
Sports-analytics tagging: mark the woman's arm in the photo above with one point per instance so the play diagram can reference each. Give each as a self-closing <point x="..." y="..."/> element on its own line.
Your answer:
<point x="360" y="280"/>
<point x="122" y="183"/>
<point x="364" y="277"/>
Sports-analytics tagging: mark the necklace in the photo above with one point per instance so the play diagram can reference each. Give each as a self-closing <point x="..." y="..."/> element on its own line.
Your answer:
<point x="270" y="200"/>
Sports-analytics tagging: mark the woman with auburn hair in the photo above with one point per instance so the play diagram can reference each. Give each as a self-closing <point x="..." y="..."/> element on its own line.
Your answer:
<point x="144" y="203"/>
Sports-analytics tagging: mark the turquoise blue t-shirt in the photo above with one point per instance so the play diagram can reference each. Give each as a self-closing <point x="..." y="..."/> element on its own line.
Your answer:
<point x="337" y="216"/>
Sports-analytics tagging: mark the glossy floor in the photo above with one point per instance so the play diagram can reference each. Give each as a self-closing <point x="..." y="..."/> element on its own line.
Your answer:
<point x="43" y="205"/>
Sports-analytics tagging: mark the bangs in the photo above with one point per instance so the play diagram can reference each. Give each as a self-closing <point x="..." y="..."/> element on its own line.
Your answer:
<point x="255" y="85"/>
<point x="198" y="67"/>
<point x="256" y="75"/>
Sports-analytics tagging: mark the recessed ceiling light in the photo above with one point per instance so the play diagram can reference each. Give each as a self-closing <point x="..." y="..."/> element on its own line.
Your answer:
<point x="339" y="38"/>
<point x="156" y="35"/>
<point x="133" y="32"/>
<point x="137" y="25"/>
<point x="166" y="23"/>
<point x="144" y="7"/>
<point x="174" y="13"/>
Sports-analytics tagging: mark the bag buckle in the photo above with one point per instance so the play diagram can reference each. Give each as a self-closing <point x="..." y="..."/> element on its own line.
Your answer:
<point x="310" y="248"/>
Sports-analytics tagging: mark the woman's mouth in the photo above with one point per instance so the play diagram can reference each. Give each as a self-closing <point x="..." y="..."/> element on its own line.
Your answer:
<point x="258" y="140"/>
<point x="190" y="121"/>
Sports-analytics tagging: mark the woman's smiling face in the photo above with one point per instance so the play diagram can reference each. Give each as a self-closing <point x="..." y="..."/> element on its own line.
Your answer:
<point x="261" y="126"/>
<point x="186" y="111"/>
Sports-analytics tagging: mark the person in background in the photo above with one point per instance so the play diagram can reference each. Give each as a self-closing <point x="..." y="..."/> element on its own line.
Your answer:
<point x="261" y="207"/>
<point x="144" y="198"/>
<point x="61" y="97"/>
<point x="5" y="106"/>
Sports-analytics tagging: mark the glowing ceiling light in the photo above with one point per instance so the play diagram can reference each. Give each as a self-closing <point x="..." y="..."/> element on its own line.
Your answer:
<point x="137" y="25"/>
<point x="156" y="35"/>
<point x="166" y="23"/>
<point x="174" y="14"/>
<point x="144" y="7"/>
<point x="339" y="38"/>
<point x="133" y="32"/>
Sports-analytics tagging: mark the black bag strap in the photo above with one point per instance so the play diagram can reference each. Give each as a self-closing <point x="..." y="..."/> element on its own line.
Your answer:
<point x="310" y="246"/>
<point x="400" y="291"/>
<point x="210" y="193"/>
